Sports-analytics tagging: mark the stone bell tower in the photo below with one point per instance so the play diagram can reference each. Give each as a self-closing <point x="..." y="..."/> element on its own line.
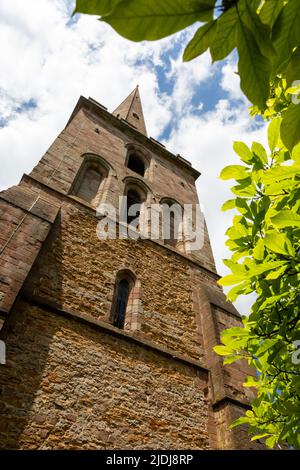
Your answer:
<point x="109" y="343"/>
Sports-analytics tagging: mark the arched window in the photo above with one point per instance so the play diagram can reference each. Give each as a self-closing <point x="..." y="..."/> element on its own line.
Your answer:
<point x="121" y="303"/>
<point x="89" y="179"/>
<point x="136" y="163"/>
<point x="90" y="184"/>
<point x="133" y="197"/>
<point x="172" y="218"/>
<point x="121" y="314"/>
<point x="134" y="203"/>
<point x="172" y="240"/>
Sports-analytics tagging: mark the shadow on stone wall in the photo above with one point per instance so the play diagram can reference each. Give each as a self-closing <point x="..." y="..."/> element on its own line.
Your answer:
<point x="27" y="345"/>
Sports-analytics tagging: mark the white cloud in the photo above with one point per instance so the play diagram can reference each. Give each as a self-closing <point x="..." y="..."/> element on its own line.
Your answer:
<point x="230" y="82"/>
<point x="48" y="59"/>
<point x="188" y="76"/>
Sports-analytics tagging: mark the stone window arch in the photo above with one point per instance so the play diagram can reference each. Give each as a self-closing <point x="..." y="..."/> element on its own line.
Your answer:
<point x="90" y="180"/>
<point x="134" y="209"/>
<point x="133" y="198"/>
<point x="136" y="163"/>
<point x="126" y="305"/>
<point x="172" y="223"/>
<point x="137" y="159"/>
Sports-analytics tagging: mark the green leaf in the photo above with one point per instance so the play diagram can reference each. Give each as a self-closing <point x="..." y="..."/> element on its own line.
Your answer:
<point x="281" y="188"/>
<point x="293" y="69"/>
<point x="261" y="32"/>
<point x="150" y="20"/>
<point x="274" y="133"/>
<point x="237" y="172"/>
<point x="234" y="267"/>
<point x="96" y="7"/>
<point x="237" y="290"/>
<point x="296" y="153"/>
<point x="264" y="267"/>
<point x="270" y="11"/>
<point x="259" y="436"/>
<point x="290" y="126"/>
<point x="286" y="218"/>
<point x="243" y="208"/>
<point x="265" y="346"/>
<point x="271" y="441"/>
<point x="231" y="279"/>
<point x="259" y="250"/>
<point x="228" y="205"/>
<point x="276" y="273"/>
<point x="286" y="33"/>
<point x="270" y="301"/>
<point x="223" y="350"/>
<point x="246" y="189"/>
<point x="279" y="243"/>
<point x="256" y="270"/>
<point x="258" y="149"/>
<point x="238" y="422"/>
<point x="234" y="332"/>
<point x="254" y="69"/>
<point x="279" y="173"/>
<point x="201" y="41"/>
<point x="281" y="155"/>
<point x="225" y="39"/>
<point x="243" y="151"/>
<point x="250" y="382"/>
<point x="231" y="359"/>
<point x="236" y="233"/>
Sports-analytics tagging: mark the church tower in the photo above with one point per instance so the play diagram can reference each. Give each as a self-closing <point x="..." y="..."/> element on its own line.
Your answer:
<point x="109" y="341"/>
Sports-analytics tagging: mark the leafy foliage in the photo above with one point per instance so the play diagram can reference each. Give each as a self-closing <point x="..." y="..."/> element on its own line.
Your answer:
<point x="148" y="19"/>
<point x="96" y="7"/>
<point x="265" y="241"/>
<point x="265" y="33"/>
<point x="265" y="233"/>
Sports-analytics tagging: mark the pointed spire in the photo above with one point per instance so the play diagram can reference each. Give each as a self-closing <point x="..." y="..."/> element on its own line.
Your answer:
<point x="132" y="111"/>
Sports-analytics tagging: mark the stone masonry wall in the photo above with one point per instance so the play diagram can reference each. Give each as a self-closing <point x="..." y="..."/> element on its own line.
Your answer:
<point x="26" y="217"/>
<point x="234" y="374"/>
<point x="236" y="438"/>
<point x="77" y="271"/>
<point x="68" y="385"/>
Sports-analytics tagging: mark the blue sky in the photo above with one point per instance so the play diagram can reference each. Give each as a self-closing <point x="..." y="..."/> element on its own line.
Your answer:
<point x="49" y="59"/>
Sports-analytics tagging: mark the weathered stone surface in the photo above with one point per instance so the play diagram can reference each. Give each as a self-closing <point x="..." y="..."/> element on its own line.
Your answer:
<point x="25" y="221"/>
<point x="237" y="438"/>
<point x="69" y="386"/>
<point x="77" y="271"/>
